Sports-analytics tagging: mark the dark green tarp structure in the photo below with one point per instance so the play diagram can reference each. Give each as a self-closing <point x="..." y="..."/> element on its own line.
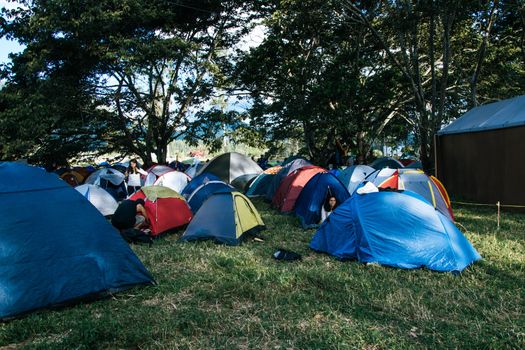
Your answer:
<point x="230" y="166"/>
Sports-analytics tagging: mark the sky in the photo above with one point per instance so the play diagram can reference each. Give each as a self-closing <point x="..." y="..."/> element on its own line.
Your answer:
<point x="8" y="46"/>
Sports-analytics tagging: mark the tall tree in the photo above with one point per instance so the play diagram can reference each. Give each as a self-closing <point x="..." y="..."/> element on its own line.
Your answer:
<point x="151" y="66"/>
<point x="319" y="78"/>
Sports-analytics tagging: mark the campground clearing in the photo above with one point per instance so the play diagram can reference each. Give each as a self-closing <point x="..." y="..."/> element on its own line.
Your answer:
<point x="210" y="296"/>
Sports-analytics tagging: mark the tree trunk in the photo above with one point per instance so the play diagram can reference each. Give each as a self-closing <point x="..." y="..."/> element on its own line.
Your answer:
<point x="481" y="56"/>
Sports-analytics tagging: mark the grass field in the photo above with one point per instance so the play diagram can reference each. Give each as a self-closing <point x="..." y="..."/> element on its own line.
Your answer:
<point x="216" y="297"/>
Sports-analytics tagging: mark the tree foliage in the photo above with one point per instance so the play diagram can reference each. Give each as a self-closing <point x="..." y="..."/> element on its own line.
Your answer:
<point x="131" y="76"/>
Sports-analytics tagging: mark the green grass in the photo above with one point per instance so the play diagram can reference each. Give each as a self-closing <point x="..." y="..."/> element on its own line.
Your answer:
<point x="216" y="297"/>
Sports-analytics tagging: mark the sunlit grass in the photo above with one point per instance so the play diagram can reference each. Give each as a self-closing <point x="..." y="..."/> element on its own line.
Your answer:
<point x="210" y="296"/>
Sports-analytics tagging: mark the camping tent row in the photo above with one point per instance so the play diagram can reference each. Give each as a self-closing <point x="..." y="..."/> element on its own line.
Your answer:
<point x="293" y="194"/>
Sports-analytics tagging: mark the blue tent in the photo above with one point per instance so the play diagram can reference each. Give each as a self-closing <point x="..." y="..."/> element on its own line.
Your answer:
<point x="259" y="185"/>
<point x="226" y="217"/>
<point x="284" y="172"/>
<point x="196" y="182"/>
<point x="314" y="194"/>
<point x="204" y="191"/>
<point x="353" y="175"/>
<point x="55" y="246"/>
<point x="395" y="229"/>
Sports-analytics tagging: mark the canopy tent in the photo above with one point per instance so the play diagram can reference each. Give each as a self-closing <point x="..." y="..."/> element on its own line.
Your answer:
<point x="259" y="185"/>
<point x="291" y="187"/>
<point x="394" y="229"/>
<point x="61" y="252"/>
<point x="284" y="172"/>
<point x="353" y="175"/>
<point x="174" y="179"/>
<point x="386" y="162"/>
<point x="229" y="166"/>
<point x="204" y="191"/>
<point x="99" y="197"/>
<point x="197" y="181"/>
<point x="166" y="209"/>
<point x="314" y="195"/>
<point x="225" y="218"/>
<point x="416" y="181"/>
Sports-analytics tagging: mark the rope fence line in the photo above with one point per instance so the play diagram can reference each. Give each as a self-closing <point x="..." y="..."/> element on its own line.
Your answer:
<point x="489" y="205"/>
<point x="498" y="205"/>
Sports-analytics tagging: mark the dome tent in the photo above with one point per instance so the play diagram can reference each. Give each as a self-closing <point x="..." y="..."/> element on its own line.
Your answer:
<point x="196" y="182"/>
<point x="284" y="172"/>
<point x="386" y="162"/>
<point x="111" y="180"/>
<point x="155" y="172"/>
<point x="63" y="252"/>
<point x="166" y="208"/>
<point x="99" y="197"/>
<point x="204" y="191"/>
<point x="416" y="181"/>
<point x="226" y="217"/>
<point x="394" y="229"/>
<point x="174" y="179"/>
<point x="229" y="166"/>
<point x="259" y="185"/>
<point x="106" y="175"/>
<point x="290" y="188"/>
<point x="313" y="196"/>
<point x="352" y="176"/>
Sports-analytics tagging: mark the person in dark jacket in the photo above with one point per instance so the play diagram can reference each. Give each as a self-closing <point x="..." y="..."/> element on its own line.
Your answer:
<point x="130" y="214"/>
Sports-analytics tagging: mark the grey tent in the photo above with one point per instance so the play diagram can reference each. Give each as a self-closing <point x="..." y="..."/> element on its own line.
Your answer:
<point x="230" y="166"/>
<point x="352" y="176"/>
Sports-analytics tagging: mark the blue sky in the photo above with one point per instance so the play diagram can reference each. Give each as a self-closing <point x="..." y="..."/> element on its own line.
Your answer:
<point x="7" y="46"/>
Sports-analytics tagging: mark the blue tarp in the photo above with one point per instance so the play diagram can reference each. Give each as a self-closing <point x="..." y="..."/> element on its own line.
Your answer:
<point x="313" y="196"/>
<point x="394" y="229"/>
<point x="55" y="246"/>
<point x="203" y="192"/>
<point x="197" y="181"/>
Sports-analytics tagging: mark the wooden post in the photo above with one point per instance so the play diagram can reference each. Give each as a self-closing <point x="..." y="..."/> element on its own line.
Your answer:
<point x="499" y="206"/>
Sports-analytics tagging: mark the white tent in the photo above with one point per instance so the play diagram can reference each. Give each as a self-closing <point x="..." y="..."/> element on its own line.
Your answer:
<point x="173" y="179"/>
<point x="155" y="172"/>
<point x="99" y="197"/>
<point x="112" y="175"/>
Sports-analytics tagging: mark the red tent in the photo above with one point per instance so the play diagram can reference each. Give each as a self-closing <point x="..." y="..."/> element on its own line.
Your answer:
<point x="292" y="185"/>
<point x="166" y="208"/>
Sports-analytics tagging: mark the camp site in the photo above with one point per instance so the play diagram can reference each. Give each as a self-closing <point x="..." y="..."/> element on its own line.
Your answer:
<point x="219" y="174"/>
